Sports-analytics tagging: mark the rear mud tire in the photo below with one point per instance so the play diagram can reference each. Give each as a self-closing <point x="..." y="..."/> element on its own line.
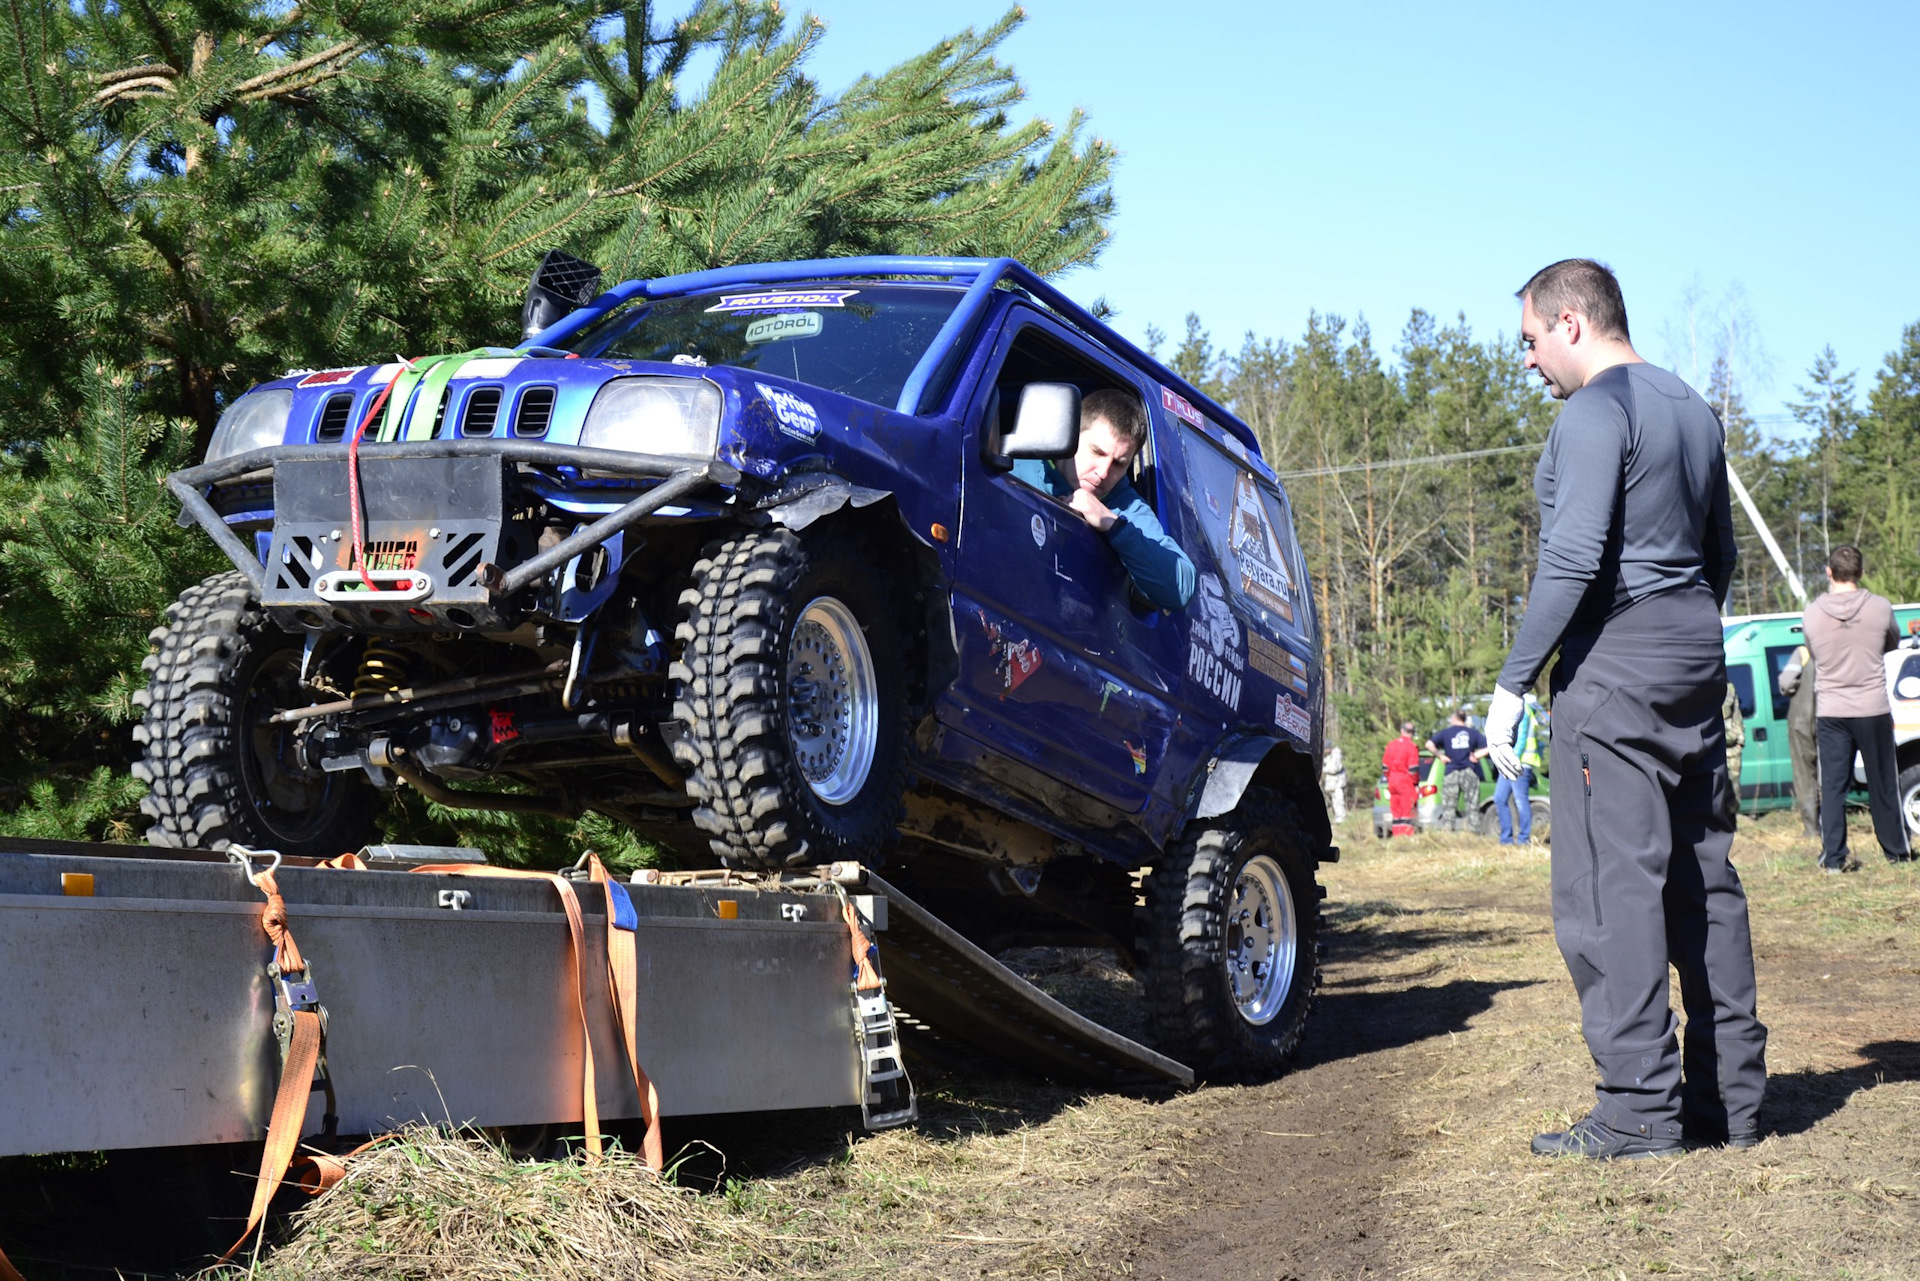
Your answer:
<point x="783" y="638"/>
<point x="216" y="773"/>
<point x="1202" y="930"/>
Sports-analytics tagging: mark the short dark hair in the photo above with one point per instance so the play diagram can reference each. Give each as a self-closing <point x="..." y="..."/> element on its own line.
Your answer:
<point x="1582" y="285"/>
<point x="1845" y="563"/>
<point x="1121" y="408"/>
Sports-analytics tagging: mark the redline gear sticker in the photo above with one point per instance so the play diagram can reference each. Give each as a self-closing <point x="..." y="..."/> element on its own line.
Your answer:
<point x="1180" y="407"/>
<point x="797" y="418"/>
<point x="1213" y="645"/>
<point x="327" y="377"/>
<point x="1256" y="552"/>
<point x="783" y="299"/>
<point x="1012" y="660"/>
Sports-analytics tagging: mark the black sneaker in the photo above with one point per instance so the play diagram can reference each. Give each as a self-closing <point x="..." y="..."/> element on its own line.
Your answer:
<point x="1832" y="869"/>
<point x="1601" y="1142"/>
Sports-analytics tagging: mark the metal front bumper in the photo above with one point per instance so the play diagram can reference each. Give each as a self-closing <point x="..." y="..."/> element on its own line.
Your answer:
<point x="441" y="540"/>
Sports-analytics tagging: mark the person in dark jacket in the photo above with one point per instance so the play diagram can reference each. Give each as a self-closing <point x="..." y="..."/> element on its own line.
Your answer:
<point x="1848" y="630"/>
<point x="1636" y="550"/>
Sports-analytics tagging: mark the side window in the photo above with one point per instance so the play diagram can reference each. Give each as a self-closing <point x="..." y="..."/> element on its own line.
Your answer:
<point x="1037" y="356"/>
<point x="1778" y="656"/>
<point x="1741" y="674"/>
<point x="1246" y="526"/>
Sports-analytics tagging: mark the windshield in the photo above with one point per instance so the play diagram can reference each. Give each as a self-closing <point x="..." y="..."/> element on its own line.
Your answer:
<point x="852" y="337"/>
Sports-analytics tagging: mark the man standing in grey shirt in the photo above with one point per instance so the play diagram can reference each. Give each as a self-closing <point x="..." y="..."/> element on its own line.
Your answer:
<point x="1848" y="630"/>
<point x="1636" y="549"/>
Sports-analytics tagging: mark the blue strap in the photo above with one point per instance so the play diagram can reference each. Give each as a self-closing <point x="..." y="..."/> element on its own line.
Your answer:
<point x="624" y="917"/>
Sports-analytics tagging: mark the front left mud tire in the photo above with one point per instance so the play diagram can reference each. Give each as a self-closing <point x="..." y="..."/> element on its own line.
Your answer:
<point x="217" y="773"/>
<point x="791" y="689"/>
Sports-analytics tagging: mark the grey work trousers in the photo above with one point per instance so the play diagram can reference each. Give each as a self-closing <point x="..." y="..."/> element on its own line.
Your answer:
<point x="1640" y="873"/>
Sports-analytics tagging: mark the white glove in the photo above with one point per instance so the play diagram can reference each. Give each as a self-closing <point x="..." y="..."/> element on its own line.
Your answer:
<point x="1503" y="718"/>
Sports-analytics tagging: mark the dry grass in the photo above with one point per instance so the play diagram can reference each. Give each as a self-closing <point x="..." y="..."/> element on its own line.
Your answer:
<point x="1835" y="1192"/>
<point x="1005" y="1178"/>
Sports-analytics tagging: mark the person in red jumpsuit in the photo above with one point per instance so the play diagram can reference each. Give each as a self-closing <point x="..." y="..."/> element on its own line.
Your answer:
<point x="1402" y="761"/>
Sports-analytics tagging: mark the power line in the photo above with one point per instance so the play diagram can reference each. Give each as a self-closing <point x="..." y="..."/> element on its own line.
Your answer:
<point x="1411" y="462"/>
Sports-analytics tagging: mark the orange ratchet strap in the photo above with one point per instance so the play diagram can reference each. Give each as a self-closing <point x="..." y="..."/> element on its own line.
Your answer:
<point x="623" y="989"/>
<point x="302" y="1059"/>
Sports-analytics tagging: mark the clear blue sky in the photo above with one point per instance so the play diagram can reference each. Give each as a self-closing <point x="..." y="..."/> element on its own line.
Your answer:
<point x="1369" y="158"/>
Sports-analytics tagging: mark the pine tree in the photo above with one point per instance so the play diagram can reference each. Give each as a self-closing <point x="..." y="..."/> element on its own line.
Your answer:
<point x="195" y="197"/>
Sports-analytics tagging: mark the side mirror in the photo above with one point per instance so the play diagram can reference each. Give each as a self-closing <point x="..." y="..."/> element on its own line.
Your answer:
<point x="1047" y="424"/>
<point x="560" y="284"/>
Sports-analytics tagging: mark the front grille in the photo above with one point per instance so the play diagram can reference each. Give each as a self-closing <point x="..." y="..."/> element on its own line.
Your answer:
<point x="334" y="419"/>
<point x="482" y="412"/>
<point x="536" y="412"/>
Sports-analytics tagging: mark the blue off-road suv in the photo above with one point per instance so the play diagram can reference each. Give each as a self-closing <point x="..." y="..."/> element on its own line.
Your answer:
<point x="739" y="559"/>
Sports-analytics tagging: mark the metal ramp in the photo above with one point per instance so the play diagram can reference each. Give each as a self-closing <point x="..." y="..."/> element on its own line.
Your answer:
<point x="948" y="990"/>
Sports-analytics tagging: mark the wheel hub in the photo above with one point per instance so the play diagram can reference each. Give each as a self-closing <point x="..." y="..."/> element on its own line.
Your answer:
<point x="832" y="701"/>
<point x="1262" y="940"/>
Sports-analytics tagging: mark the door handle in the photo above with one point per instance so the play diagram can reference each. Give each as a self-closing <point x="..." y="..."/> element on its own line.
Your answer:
<point x="1760" y="734"/>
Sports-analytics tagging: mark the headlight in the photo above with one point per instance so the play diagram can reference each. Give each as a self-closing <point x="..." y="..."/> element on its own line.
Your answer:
<point x="257" y="419"/>
<point x="655" y="416"/>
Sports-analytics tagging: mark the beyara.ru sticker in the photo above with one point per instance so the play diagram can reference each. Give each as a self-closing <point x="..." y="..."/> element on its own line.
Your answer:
<point x="1292" y="717"/>
<point x="788" y="324"/>
<point x="796" y="417"/>
<point x="1256" y="551"/>
<point x="783" y="299"/>
<point x="1214" y="658"/>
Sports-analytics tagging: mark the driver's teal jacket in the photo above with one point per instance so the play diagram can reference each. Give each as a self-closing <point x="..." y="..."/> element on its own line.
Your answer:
<point x="1161" y="572"/>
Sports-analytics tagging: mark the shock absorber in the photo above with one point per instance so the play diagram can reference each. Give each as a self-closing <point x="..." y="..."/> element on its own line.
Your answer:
<point x="383" y="669"/>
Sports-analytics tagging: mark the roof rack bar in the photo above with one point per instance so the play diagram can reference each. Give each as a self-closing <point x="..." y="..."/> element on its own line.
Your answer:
<point x="982" y="275"/>
<point x="755" y="274"/>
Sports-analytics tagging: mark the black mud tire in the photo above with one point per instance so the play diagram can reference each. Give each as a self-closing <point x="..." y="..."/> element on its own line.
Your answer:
<point x="216" y="773"/>
<point x="735" y="697"/>
<point x="1186" y="930"/>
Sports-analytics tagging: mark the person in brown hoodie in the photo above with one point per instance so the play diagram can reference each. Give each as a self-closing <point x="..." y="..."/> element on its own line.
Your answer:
<point x="1848" y="630"/>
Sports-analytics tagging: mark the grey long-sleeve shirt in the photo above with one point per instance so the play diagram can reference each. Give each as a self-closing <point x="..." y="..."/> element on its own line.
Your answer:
<point x="1633" y="502"/>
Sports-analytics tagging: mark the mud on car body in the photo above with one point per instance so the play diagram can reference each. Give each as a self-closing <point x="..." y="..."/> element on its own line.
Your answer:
<point x="737" y="558"/>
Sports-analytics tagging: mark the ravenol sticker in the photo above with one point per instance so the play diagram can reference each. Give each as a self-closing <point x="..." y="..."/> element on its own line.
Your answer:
<point x="783" y="299"/>
<point x="327" y="377"/>
<point x="1292" y="717"/>
<point x="789" y="324"/>
<point x="797" y="418"/>
<point x="1180" y="407"/>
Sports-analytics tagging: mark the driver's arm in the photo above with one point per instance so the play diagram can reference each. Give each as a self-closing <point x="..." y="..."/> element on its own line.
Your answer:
<point x="1162" y="573"/>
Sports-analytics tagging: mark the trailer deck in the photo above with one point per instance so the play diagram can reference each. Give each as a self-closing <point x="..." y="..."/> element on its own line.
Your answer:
<point x="136" y="1011"/>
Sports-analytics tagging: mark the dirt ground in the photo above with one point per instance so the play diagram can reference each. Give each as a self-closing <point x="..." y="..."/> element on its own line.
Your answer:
<point x="1445" y="1037"/>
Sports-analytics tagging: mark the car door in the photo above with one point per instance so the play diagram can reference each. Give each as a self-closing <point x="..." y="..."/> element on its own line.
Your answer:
<point x="1063" y="670"/>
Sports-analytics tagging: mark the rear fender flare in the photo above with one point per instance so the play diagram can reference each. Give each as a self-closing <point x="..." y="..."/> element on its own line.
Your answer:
<point x="1275" y="763"/>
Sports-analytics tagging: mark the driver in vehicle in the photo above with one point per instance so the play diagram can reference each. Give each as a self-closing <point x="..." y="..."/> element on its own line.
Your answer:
<point x="1113" y="427"/>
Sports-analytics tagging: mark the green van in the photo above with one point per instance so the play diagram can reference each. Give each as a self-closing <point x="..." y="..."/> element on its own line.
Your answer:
<point x="1758" y="647"/>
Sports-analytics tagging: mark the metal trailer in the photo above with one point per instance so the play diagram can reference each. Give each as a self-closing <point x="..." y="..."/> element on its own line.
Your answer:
<point x="136" y="1008"/>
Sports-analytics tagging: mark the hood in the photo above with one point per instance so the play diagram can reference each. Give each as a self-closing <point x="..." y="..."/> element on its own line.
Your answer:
<point x="1841" y="606"/>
